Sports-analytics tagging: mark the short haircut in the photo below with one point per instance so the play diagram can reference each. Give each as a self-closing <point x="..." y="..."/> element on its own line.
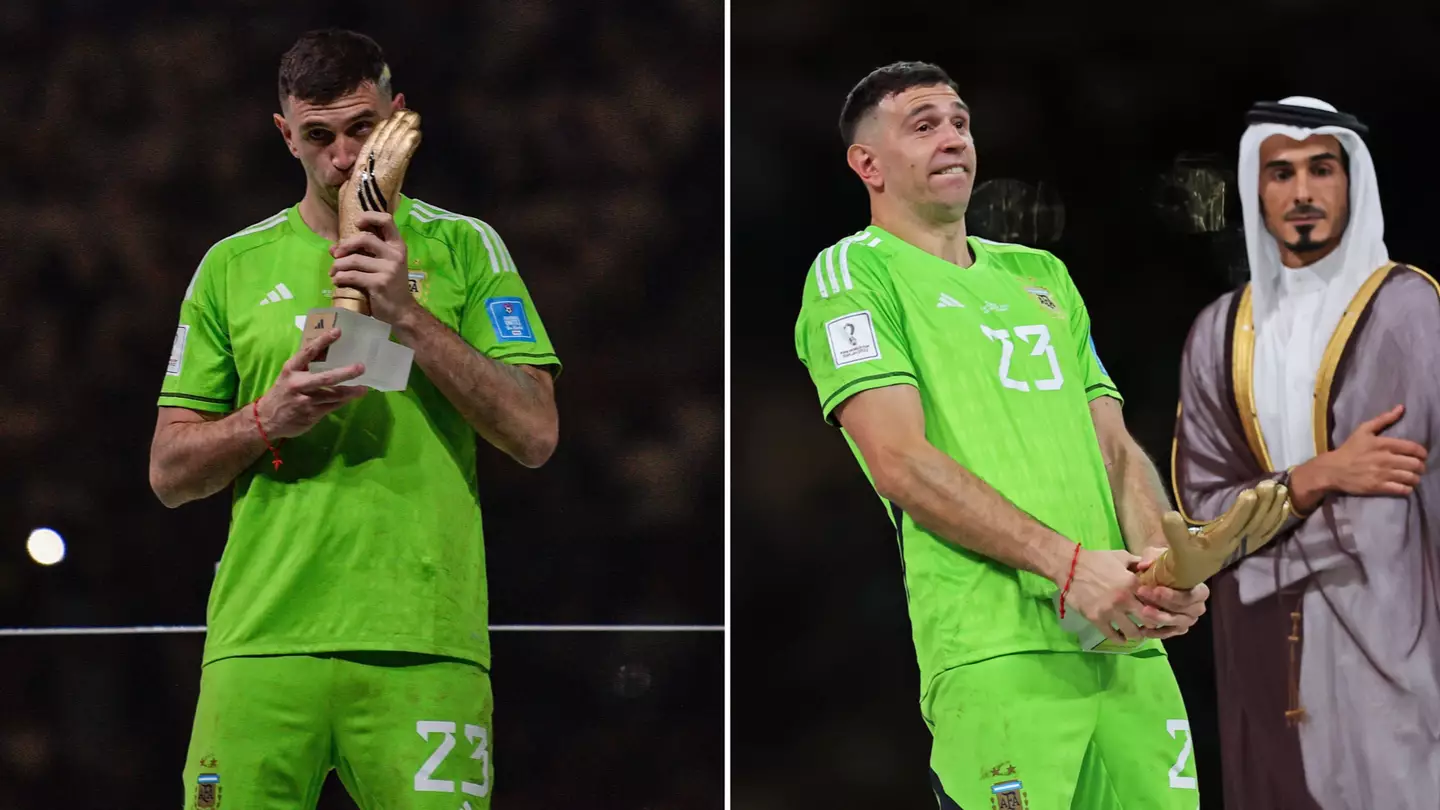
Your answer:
<point x="883" y="82"/>
<point x="326" y="64"/>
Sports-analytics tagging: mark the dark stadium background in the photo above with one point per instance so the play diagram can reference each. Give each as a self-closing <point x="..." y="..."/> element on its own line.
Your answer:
<point x="590" y="135"/>
<point x="1096" y="105"/>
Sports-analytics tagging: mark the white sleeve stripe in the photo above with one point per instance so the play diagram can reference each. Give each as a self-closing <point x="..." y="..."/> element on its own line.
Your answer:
<point x="830" y="268"/>
<point x="262" y="225"/>
<point x="507" y="263"/>
<point x="495" y="267"/>
<point x="844" y="260"/>
<point x="502" y="263"/>
<point x="431" y="211"/>
<point x="819" y="277"/>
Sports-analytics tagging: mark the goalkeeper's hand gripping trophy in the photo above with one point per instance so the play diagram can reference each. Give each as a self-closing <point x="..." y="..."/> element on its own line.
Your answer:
<point x="1196" y="553"/>
<point x="374" y="185"/>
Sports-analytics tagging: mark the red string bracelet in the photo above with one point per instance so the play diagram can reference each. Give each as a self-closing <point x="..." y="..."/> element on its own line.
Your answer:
<point x="273" y="451"/>
<point x="1069" y="580"/>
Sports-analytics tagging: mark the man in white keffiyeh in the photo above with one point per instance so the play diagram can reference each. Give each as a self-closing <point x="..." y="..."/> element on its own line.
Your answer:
<point x="1322" y="372"/>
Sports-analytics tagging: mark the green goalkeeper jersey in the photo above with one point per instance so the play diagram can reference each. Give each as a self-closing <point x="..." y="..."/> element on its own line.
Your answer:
<point x="368" y="536"/>
<point x="1001" y="355"/>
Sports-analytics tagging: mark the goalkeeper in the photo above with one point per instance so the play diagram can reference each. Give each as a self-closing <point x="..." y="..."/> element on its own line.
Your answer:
<point x="348" y="618"/>
<point x="965" y="381"/>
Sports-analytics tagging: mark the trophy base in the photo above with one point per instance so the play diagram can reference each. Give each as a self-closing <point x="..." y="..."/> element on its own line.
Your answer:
<point x="1091" y="639"/>
<point x="362" y="340"/>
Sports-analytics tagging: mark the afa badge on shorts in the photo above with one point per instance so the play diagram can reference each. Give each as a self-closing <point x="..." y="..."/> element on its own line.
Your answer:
<point x="207" y="792"/>
<point x="1008" y="796"/>
<point x="510" y="320"/>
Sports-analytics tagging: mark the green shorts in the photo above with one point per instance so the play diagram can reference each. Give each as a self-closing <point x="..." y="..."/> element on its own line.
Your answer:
<point x="403" y="730"/>
<point x="1053" y="731"/>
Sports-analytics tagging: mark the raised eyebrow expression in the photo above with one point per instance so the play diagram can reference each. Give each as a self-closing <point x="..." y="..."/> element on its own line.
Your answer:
<point x="930" y="111"/>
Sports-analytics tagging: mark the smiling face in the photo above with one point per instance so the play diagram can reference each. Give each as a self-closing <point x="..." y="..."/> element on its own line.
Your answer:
<point x="1304" y="196"/>
<point x="917" y="146"/>
<point x="326" y="137"/>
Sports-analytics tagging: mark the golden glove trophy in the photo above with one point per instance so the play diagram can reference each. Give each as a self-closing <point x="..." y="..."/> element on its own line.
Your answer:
<point x="374" y="185"/>
<point x="1197" y="553"/>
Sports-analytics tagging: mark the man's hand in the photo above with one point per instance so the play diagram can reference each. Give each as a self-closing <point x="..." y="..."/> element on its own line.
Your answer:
<point x="1366" y="464"/>
<point x="1168" y="611"/>
<point x="374" y="260"/>
<point x="1103" y="590"/>
<point x="299" y="399"/>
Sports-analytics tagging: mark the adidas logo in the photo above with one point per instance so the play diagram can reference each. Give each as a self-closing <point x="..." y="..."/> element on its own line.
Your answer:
<point x="280" y="292"/>
<point x="947" y="301"/>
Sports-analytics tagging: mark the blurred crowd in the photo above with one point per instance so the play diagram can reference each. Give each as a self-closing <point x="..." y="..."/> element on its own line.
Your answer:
<point x="590" y="136"/>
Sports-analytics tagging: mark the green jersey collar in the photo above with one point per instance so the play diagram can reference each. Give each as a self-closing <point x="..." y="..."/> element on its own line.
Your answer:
<point x="977" y="246"/>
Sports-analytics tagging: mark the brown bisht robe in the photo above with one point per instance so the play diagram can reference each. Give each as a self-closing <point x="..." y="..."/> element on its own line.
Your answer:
<point x="1342" y="606"/>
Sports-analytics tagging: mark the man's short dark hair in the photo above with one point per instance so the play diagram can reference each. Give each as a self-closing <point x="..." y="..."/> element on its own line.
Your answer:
<point x="326" y="64"/>
<point x="883" y="82"/>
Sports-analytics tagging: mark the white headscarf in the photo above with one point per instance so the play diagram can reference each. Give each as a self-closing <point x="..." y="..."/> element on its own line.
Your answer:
<point x="1297" y="309"/>
<point x="1366" y="743"/>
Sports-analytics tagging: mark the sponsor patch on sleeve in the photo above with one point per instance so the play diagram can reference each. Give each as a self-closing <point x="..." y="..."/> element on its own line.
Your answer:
<point x="852" y="339"/>
<point x="510" y="320"/>
<point x="177" y="351"/>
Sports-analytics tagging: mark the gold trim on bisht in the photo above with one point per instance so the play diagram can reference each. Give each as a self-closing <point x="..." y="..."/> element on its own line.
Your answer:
<point x="1427" y="277"/>
<point x="1175" y="482"/>
<point x="1242" y="369"/>
<point x="1244" y="362"/>
<point x="1330" y="360"/>
<point x="1243" y="374"/>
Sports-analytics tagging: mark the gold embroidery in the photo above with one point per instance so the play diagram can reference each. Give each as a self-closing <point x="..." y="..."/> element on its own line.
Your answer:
<point x="1243" y="378"/>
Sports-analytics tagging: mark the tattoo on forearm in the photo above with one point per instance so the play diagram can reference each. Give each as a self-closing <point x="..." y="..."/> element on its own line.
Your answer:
<point x="517" y="375"/>
<point x="529" y="389"/>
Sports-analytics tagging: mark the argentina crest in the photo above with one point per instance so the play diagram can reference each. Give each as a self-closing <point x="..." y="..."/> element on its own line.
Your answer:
<point x="1043" y="297"/>
<point x="207" y="788"/>
<point x="1009" y="792"/>
<point x="417" y="283"/>
<point x="1008" y="796"/>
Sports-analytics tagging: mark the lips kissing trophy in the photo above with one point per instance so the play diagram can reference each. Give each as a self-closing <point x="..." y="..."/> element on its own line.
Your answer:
<point x="374" y="185"/>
